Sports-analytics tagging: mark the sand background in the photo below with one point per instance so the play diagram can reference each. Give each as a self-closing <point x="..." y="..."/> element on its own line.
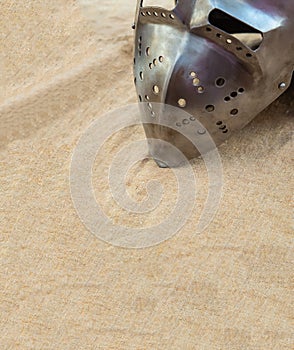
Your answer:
<point x="63" y="64"/>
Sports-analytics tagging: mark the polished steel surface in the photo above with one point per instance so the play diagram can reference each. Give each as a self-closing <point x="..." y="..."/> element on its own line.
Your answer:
<point x="221" y="61"/>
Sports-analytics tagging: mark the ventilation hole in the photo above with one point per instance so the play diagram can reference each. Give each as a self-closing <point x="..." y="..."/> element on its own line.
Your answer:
<point x="209" y="108"/>
<point x="234" y="111"/>
<point x="140" y="39"/>
<point x="178" y="124"/>
<point x="140" y="98"/>
<point x="149" y="105"/>
<point x="182" y="102"/>
<point x="172" y="16"/>
<point x="219" y="122"/>
<point x="196" y="81"/>
<point x="223" y="127"/>
<point x="135" y="81"/>
<point x="239" y="48"/>
<point x="248" y="55"/>
<point x="192" y="119"/>
<point x="143" y="14"/>
<point x="208" y="29"/>
<point x="227" y="98"/>
<point x="150" y="65"/>
<point x="152" y="114"/>
<point x="139" y="46"/>
<point x="147" y="97"/>
<point x="160" y="59"/>
<point x="134" y="61"/>
<point x="155" y="62"/>
<point x="186" y="122"/>
<point x="241" y="90"/>
<point x="219" y="35"/>
<point x="193" y="74"/>
<point x="155" y="14"/>
<point x="229" y="41"/>
<point x="141" y="75"/>
<point x="163" y="15"/>
<point x="156" y="89"/>
<point x="148" y="51"/>
<point x="234" y="94"/>
<point x="200" y="89"/>
<point x="225" y="131"/>
<point x="220" y="82"/>
<point x="201" y="131"/>
<point x="149" y="13"/>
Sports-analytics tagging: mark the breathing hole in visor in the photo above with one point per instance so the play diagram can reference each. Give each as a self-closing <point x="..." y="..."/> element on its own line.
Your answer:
<point x="247" y="35"/>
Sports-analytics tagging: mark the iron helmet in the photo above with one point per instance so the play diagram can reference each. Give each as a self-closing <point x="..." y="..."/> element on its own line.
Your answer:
<point x="219" y="61"/>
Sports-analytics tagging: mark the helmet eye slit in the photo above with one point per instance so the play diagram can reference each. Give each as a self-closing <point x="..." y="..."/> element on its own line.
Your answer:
<point x="247" y="35"/>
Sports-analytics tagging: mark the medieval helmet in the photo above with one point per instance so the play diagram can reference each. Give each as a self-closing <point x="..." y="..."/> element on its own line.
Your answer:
<point x="219" y="61"/>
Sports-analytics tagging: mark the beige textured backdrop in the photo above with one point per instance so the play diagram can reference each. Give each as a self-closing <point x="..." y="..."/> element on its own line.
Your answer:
<point x="62" y="66"/>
